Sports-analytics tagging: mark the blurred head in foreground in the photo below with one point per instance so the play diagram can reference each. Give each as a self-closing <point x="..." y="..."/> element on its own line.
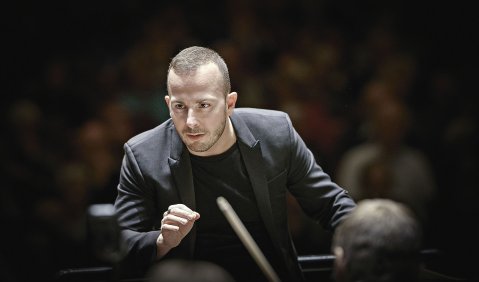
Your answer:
<point x="379" y="241"/>
<point x="176" y="270"/>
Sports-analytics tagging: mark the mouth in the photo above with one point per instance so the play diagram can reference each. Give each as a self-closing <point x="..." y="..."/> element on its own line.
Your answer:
<point x="194" y="136"/>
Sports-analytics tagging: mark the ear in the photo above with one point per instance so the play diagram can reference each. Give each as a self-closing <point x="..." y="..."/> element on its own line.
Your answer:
<point x="167" y="101"/>
<point x="339" y="270"/>
<point x="339" y="254"/>
<point x="231" y="101"/>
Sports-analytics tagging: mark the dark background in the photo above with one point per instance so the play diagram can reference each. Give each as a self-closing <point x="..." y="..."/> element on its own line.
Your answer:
<point x="81" y="77"/>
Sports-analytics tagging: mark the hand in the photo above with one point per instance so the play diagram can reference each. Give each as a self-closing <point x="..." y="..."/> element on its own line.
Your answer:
<point x="176" y="224"/>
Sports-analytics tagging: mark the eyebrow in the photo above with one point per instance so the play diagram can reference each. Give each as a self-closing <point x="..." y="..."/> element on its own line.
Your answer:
<point x="196" y="101"/>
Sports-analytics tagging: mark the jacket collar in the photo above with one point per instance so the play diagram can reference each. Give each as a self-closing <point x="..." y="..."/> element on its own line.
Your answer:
<point x="242" y="131"/>
<point x="180" y="166"/>
<point x="250" y="149"/>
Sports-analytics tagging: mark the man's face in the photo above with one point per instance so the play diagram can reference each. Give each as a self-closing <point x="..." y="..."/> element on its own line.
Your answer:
<point x="199" y="109"/>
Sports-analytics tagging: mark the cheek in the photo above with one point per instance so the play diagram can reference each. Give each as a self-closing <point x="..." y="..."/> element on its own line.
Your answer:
<point x="177" y="121"/>
<point x="215" y="120"/>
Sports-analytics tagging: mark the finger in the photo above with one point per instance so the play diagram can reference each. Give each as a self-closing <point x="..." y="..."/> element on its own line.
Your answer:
<point x="169" y="218"/>
<point x="182" y="211"/>
<point x="169" y="227"/>
<point x="196" y="216"/>
<point x="179" y="207"/>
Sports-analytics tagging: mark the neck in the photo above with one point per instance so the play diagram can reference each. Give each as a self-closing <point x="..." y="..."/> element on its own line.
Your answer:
<point x="229" y="134"/>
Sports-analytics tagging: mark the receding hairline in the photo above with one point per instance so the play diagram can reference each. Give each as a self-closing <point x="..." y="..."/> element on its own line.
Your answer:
<point x="193" y="71"/>
<point x="190" y="59"/>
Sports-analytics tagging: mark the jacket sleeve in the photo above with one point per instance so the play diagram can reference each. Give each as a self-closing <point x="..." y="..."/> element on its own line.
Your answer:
<point x="319" y="197"/>
<point x="134" y="207"/>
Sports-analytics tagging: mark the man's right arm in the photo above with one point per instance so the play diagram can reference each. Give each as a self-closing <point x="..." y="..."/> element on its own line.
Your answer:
<point x="137" y="212"/>
<point x="135" y="209"/>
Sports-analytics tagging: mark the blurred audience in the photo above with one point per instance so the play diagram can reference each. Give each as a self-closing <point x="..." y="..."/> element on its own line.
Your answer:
<point x="377" y="107"/>
<point x="385" y="165"/>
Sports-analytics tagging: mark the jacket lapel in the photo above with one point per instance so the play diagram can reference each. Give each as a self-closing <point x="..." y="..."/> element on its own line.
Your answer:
<point x="180" y="166"/>
<point x="250" y="149"/>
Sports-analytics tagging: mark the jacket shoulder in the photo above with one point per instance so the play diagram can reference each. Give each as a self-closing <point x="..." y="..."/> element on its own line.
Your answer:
<point x="270" y="126"/>
<point x="263" y="118"/>
<point x="253" y="112"/>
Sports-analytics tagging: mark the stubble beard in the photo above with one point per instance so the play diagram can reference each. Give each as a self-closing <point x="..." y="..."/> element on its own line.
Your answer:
<point x="212" y="140"/>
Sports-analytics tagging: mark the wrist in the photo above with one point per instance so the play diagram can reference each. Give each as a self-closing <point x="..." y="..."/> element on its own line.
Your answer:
<point x="161" y="248"/>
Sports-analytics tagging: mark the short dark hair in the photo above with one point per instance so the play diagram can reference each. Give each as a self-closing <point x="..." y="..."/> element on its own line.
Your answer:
<point x="381" y="241"/>
<point x="188" y="60"/>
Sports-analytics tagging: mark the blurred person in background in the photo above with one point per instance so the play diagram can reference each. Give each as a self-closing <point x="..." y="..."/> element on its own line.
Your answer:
<point x="384" y="165"/>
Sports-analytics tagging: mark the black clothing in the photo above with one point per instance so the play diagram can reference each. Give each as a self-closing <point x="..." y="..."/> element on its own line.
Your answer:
<point x="225" y="175"/>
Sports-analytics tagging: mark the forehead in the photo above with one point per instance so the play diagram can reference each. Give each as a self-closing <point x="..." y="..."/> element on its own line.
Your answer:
<point x="205" y="78"/>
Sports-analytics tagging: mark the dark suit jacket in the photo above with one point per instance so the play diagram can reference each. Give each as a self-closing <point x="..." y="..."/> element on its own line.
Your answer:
<point x="156" y="172"/>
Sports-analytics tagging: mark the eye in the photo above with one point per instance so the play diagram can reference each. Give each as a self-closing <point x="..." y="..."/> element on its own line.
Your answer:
<point x="204" y="105"/>
<point x="179" y="106"/>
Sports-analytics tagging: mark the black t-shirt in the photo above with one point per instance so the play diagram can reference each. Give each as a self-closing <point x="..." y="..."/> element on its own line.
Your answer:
<point x="225" y="175"/>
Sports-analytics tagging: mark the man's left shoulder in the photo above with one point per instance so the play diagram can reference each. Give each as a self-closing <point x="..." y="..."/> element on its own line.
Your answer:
<point x="258" y="113"/>
<point x="262" y="122"/>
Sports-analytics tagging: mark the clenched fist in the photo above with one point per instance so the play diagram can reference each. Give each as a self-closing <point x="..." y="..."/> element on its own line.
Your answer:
<point x="176" y="224"/>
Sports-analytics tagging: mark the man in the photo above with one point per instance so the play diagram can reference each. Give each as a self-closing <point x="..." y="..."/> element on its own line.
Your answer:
<point x="172" y="175"/>
<point x="379" y="241"/>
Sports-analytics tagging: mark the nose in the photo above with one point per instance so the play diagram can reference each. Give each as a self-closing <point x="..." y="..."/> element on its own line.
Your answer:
<point x="191" y="120"/>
